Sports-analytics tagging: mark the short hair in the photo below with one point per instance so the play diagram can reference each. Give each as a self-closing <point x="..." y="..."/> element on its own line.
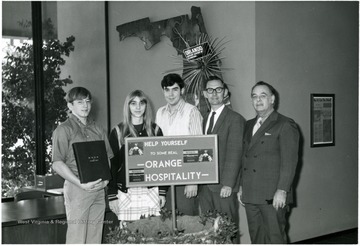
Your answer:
<point x="172" y="78"/>
<point x="213" y="77"/>
<point x="77" y="93"/>
<point x="272" y="90"/>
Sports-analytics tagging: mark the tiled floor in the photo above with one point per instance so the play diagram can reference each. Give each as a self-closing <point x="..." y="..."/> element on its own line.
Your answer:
<point x="344" y="237"/>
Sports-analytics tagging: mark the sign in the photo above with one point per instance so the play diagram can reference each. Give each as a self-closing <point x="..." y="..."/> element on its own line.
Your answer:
<point x="175" y="160"/>
<point x="197" y="51"/>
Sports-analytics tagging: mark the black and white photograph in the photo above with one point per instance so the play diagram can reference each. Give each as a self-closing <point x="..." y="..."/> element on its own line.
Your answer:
<point x="273" y="84"/>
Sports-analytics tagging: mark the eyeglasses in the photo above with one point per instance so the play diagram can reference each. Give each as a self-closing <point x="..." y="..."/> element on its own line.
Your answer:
<point x="217" y="89"/>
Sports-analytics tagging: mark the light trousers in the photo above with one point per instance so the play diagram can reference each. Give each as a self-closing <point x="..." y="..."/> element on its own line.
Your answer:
<point x="85" y="214"/>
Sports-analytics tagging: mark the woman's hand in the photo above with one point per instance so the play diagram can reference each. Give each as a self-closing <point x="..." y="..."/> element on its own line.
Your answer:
<point x="162" y="201"/>
<point x="114" y="206"/>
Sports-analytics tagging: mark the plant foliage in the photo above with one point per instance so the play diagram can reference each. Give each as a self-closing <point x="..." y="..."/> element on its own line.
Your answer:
<point x="18" y="110"/>
<point x="209" y="228"/>
<point x="195" y="72"/>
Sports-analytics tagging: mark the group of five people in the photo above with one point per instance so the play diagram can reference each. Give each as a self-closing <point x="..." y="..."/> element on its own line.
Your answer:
<point x="256" y="169"/>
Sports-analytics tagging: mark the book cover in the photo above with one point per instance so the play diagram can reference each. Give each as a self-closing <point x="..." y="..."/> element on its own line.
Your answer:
<point x="92" y="161"/>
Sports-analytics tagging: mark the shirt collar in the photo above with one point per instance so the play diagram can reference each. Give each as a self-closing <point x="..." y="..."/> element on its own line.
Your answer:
<point x="219" y="110"/>
<point x="179" y="107"/>
<point x="78" y="121"/>
<point x="264" y="117"/>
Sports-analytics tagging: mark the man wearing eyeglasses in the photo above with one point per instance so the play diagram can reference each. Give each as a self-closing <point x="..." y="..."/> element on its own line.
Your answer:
<point x="228" y="126"/>
<point x="84" y="202"/>
<point x="271" y="145"/>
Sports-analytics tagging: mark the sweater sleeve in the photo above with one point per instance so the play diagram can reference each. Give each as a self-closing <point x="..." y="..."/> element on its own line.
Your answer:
<point x="115" y="165"/>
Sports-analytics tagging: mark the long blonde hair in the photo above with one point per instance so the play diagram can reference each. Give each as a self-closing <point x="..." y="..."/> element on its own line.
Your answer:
<point x="127" y="128"/>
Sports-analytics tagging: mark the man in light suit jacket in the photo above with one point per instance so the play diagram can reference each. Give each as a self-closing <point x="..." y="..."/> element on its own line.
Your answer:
<point x="228" y="126"/>
<point x="270" y="157"/>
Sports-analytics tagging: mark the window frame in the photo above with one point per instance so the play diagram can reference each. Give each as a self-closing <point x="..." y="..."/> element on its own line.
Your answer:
<point x="36" y="14"/>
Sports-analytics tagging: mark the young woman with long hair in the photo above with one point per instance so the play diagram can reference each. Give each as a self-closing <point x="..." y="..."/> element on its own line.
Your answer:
<point x="131" y="203"/>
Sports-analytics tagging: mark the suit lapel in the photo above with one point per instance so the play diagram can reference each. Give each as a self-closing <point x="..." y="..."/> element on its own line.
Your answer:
<point x="220" y="120"/>
<point x="249" y="128"/>
<point x="269" y="122"/>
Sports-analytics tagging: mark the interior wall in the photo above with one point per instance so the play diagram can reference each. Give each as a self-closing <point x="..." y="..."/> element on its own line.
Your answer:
<point x="132" y="67"/>
<point x="312" y="47"/>
<point x="87" y="63"/>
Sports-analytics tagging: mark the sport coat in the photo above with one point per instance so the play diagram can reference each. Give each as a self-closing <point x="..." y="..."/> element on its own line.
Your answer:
<point x="269" y="159"/>
<point x="229" y="128"/>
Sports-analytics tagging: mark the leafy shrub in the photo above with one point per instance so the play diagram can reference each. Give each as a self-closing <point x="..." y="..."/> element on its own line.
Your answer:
<point x="209" y="228"/>
<point x="18" y="112"/>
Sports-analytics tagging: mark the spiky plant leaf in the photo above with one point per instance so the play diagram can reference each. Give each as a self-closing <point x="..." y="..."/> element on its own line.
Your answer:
<point x="195" y="72"/>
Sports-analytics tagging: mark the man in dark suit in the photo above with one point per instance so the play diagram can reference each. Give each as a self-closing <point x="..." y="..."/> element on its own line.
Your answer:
<point x="229" y="127"/>
<point x="270" y="157"/>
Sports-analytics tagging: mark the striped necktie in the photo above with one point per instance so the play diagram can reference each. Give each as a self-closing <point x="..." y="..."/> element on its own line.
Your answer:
<point x="257" y="125"/>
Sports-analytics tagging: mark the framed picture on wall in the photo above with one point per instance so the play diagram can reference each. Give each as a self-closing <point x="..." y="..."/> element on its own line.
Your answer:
<point x="322" y="120"/>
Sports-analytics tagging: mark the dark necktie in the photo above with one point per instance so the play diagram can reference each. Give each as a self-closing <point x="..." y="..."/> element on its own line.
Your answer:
<point x="209" y="130"/>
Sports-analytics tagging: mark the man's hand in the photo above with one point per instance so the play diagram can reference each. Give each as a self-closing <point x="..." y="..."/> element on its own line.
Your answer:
<point x="162" y="201"/>
<point x="190" y="191"/>
<point x="239" y="196"/>
<point x="279" y="199"/>
<point x="104" y="184"/>
<point x="94" y="186"/>
<point x="114" y="206"/>
<point x="225" y="191"/>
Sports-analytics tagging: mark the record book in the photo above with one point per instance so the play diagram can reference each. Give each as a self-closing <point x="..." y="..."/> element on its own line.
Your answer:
<point x="92" y="161"/>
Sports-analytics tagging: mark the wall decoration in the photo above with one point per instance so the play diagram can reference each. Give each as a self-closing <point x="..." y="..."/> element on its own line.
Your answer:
<point x="322" y="120"/>
<point x="195" y="71"/>
<point x="181" y="30"/>
<point x="187" y="37"/>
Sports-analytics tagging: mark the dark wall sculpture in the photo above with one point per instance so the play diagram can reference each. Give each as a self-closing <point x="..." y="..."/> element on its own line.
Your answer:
<point x="181" y="30"/>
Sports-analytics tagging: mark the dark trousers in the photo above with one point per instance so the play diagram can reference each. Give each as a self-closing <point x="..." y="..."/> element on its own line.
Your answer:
<point x="187" y="206"/>
<point x="210" y="200"/>
<point x="266" y="224"/>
